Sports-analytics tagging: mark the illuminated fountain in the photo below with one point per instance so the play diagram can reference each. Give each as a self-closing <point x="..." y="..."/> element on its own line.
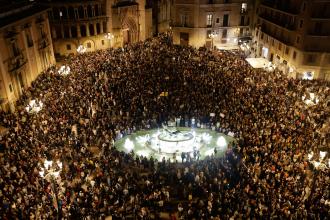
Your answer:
<point x="171" y="142"/>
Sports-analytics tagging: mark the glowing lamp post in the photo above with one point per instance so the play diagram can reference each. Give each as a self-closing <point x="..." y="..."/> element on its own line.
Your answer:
<point x="64" y="70"/>
<point x="50" y="171"/>
<point x="212" y="36"/>
<point x="109" y="36"/>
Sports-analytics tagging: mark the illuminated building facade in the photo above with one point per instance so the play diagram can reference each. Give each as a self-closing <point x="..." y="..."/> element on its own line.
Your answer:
<point x="294" y="35"/>
<point x="97" y="24"/>
<point x="26" y="49"/>
<point x="211" y="23"/>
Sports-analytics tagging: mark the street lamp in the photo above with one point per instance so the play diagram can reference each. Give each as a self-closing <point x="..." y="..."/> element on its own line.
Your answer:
<point x="212" y="36"/>
<point x="109" y="36"/>
<point x="64" y="70"/>
<point x="50" y="171"/>
<point x="81" y="49"/>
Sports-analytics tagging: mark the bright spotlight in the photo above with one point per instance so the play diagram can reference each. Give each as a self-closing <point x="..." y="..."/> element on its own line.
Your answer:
<point x="129" y="145"/>
<point x="221" y="142"/>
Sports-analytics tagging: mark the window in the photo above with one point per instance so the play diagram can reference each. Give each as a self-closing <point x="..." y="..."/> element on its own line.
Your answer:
<point x="89" y="45"/>
<point x="224" y="33"/>
<point x="183" y="20"/>
<point x="15" y="49"/>
<point x="298" y="39"/>
<point x="279" y="46"/>
<point x="242" y="20"/>
<point x="68" y="47"/>
<point x="262" y="36"/>
<point x="209" y="19"/>
<point x="102" y="42"/>
<point x="318" y="28"/>
<point x="303" y="6"/>
<point x="294" y="55"/>
<point x="217" y="21"/>
<point x="244" y="7"/>
<point x="225" y="20"/>
<point x="273" y="42"/>
<point x="301" y="23"/>
<point x="10" y="87"/>
<point x="28" y="39"/>
<point x="287" y="50"/>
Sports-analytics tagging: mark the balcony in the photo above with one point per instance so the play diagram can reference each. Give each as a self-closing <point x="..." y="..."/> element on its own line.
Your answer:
<point x="284" y="23"/>
<point x="16" y="62"/>
<point x="43" y="43"/>
<point x="77" y="20"/>
<point x="278" y="35"/>
<point x="281" y="6"/>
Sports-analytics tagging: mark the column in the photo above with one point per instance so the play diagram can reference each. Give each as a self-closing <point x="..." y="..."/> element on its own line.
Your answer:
<point x="62" y="31"/>
<point x="87" y="30"/>
<point x="95" y="30"/>
<point x="101" y="27"/>
<point x="78" y="31"/>
<point x="70" y="33"/>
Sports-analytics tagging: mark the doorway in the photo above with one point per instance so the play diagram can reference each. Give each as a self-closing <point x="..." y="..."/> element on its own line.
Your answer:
<point x="184" y="39"/>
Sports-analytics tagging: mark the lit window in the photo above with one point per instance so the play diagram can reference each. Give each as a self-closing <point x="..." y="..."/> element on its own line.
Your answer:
<point x="244" y="7"/>
<point x="209" y="19"/>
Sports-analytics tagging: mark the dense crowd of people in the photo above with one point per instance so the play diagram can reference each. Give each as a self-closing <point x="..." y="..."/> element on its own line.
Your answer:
<point x="267" y="174"/>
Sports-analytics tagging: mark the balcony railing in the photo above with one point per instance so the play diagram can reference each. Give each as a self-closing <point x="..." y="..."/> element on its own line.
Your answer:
<point x="284" y="7"/>
<point x="277" y="35"/>
<point x="16" y="62"/>
<point x="277" y="21"/>
<point x="43" y="43"/>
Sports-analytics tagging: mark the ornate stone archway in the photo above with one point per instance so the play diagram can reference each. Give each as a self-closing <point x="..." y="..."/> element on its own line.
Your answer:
<point x="129" y="30"/>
